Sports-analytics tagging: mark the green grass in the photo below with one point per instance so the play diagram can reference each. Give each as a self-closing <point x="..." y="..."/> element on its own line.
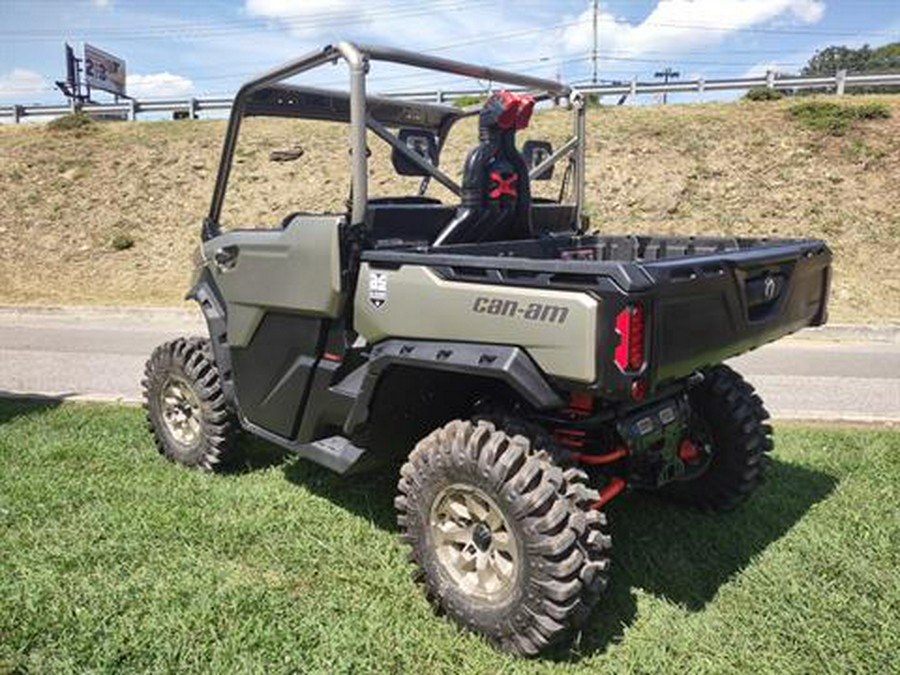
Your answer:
<point x="78" y="122"/>
<point x="114" y="560"/>
<point x="763" y="94"/>
<point x="836" y="118"/>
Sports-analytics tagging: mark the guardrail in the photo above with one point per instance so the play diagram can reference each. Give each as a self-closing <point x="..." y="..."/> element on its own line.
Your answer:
<point x="838" y="82"/>
<point x="192" y="106"/>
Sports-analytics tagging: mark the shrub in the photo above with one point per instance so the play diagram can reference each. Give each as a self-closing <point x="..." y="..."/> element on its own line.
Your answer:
<point x="835" y="118"/>
<point x="74" y="121"/>
<point x="466" y="101"/>
<point x="122" y="242"/>
<point x="764" y="94"/>
<point x="874" y="110"/>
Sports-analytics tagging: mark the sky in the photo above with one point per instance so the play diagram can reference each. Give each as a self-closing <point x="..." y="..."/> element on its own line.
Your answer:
<point x="180" y="48"/>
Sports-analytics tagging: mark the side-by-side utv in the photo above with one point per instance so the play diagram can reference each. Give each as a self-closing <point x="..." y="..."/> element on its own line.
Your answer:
<point x="526" y="368"/>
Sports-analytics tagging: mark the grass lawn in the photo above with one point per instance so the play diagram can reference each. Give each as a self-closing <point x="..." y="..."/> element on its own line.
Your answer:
<point x="112" y="559"/>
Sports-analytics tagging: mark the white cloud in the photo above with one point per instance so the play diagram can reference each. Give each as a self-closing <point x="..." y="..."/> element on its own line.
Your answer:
<point x="158" y="85"/>
<point x="297" y="8"/>
<point x="21" y="82"/>
<point x="396" y="23"/>
<point x="101" y="3"/>
<point x="760" y="69"/>
<point x="306" y="18"/>
<point x="436" y="26"/>
<point x="672" y="27"/>
<point x="680" y="25"/>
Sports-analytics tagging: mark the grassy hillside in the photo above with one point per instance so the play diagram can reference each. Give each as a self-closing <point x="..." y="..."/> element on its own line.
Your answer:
<point x="73" y="202"/>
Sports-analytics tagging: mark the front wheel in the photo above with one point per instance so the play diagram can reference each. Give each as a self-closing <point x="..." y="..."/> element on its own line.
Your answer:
<point x="188" y="415"/>
<point x="731" y="423"/>
<point x="503" y="538"/>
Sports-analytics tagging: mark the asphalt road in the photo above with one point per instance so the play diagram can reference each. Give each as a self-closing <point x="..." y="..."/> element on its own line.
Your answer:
<point x="100" y="355"/>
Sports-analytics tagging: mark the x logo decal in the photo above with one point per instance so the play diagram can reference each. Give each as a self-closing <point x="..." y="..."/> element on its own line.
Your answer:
<point x="504" y="185"/>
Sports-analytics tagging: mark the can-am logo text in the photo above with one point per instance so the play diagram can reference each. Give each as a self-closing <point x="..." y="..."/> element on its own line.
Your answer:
<point x="531" y="311"/>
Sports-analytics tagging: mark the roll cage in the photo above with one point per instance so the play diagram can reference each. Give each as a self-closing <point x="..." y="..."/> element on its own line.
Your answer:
<point x="269" y="96"/>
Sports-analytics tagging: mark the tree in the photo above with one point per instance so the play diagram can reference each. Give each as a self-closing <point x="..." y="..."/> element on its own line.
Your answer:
<point x="882" y="59"/>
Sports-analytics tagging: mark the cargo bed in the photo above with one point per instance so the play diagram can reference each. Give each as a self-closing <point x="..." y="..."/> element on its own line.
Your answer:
<point x="706" y="298"/>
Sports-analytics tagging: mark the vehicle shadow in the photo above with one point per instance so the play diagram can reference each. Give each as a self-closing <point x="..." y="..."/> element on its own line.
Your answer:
<point x="13" y="405"/>
<point x="368" y="494"/>
<point x="685" y="556"/>
<point x="674" y="552"/>
<point x="255" y="454"/>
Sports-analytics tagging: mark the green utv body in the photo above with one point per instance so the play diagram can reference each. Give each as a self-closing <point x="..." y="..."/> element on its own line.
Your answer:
<point x="524" y="370"/>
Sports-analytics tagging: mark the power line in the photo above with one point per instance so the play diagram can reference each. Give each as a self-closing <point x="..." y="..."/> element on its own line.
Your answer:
<point x="680" y="56"/>
<point x="748" y="29"/>
<point x="497" y="36"/>
<point x="548" y="65"/>
<point x="234" y="26"/>
<point x="299" y="19"/>
<point x="320" y="19"/>
<point x="694" y="62"/>
<point x="484" y="38"/>
<point x="323" y="18"/>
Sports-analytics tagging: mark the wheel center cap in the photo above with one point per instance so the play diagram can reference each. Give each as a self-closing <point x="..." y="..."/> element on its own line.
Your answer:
<point x="481" y="536"/>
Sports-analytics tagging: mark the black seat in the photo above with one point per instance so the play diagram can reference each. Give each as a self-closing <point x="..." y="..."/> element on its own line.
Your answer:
<point x="496" y="191"/>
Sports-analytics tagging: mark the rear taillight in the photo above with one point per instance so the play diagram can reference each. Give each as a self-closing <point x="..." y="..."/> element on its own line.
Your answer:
<point x="630" y="325"/>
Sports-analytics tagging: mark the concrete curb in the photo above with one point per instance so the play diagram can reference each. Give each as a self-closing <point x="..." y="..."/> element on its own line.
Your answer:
<point x="187" y="313"/>
<point x="850" y="332"/>
<point x="189" y="316"/>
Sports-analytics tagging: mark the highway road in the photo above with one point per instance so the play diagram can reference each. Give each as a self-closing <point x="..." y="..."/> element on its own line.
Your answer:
<point x="99" y="354"/>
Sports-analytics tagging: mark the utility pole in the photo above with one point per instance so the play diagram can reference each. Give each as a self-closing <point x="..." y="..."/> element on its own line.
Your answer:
<point x="667" y="74"/>
<point x="594" y="51"/>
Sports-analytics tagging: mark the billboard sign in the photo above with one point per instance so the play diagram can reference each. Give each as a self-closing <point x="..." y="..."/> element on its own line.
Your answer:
<point x="104" y="71"/>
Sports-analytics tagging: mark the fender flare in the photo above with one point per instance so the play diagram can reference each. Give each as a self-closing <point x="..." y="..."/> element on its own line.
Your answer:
<point x="205" y="293"/>
<point x="509" y="364"/>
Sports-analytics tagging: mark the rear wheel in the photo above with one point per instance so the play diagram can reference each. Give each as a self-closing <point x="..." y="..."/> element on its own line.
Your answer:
<point x="191" y="421"/>
<point x="504" y="539"/>
<point x="732" y="427"/>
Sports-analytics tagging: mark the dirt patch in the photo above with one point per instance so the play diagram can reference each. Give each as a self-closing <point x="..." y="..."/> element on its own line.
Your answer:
<point x="69" y="202"/>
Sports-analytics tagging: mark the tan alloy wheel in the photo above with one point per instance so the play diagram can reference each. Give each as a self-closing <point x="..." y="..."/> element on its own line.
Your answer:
<point x="181" y="411"/>
<point x="474" y="542"/>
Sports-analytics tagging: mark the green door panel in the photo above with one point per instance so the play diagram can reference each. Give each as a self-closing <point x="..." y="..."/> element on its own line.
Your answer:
<point x="295" y="269"/>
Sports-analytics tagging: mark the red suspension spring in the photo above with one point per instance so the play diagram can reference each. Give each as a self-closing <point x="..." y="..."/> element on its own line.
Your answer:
<point x="608" y="491"/>
<point x="606" y="458"/>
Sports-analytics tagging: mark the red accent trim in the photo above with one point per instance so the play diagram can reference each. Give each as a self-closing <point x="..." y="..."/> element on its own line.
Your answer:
<point x="638" y="390"/>
<point x="629" y="353"/>
<point x="623" y="328"/>
<point x="504" y="185"/>
<point x="581" y="401"/>
<point x="328" y="356"/>
<point x="608" y="491"/>
<point x="510" y="104"/>
<point x="571" y="438"/>
<point x="688" y="451"/>
<point x="636" y="346"/>
<point x="517" y="109"/>
<point x="608" y="458"/>
<point x="526" y="107"/>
